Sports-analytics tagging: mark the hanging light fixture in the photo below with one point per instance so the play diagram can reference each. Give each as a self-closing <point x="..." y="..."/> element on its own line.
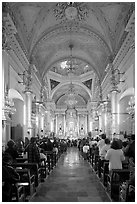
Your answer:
<point x="71" y="101"/>
<point x="70" y="67"/>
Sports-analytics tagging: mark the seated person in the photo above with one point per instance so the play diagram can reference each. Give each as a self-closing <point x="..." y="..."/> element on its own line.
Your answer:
<point x="9" y="177"/>
<point x="11" y="150"/>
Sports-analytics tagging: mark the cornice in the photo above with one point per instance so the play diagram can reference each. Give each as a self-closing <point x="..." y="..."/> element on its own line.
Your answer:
<point x="127" y="44"/>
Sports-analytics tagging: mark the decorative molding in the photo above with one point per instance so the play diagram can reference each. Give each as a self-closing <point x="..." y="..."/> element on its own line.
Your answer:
<point x="128" y="42"/>
<point x="69" y="11"/>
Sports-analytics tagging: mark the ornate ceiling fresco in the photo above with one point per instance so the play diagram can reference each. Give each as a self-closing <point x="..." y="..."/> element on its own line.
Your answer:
<point x="45" y="31"/>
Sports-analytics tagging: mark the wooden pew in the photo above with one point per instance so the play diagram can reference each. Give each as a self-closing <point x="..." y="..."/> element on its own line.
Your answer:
<point x="27" y="180"/>
<point x="49" y="161"/>
<point x="18" y="193"/>
<point x="34" y="169"/>
<point x="114" y="180"/>
<point x="21" y="160"/>
<point x="126" y="192"/>
<point x="44" y="169"/>
<point x="104" y="172"/>
<point x="95" y="162"/>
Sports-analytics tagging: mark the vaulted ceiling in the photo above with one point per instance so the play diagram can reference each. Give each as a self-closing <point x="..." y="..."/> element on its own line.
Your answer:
<point x="45" y="31"/>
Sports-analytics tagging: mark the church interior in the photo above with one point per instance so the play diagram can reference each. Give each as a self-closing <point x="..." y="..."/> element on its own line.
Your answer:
<point x="68" y="77"/>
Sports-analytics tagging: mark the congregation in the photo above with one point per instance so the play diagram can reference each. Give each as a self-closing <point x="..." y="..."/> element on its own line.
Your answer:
<point x="104" y="155"/>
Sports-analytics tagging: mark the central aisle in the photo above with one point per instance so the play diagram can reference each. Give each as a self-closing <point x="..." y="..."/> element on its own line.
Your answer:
<point x="71" y="181"/>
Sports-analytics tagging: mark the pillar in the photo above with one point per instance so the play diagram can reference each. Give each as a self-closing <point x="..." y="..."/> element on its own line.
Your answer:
<point x="28" y="109"/>
<point x="87" y="123"/>
<point x="100" y="122"/>
<point x="6" y="121"/>
<point x="64" y="124"/>
<point x="78" y="125"/>
<point x="56" y="124"/>
<point x="114" y="111"/>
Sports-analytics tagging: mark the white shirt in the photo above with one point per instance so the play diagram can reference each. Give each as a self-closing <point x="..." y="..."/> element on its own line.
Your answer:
<point x="104" y="150"/>
<point x="115" y="157"/>
<point x="100" y="144"/>
<point x="85" y="148"/>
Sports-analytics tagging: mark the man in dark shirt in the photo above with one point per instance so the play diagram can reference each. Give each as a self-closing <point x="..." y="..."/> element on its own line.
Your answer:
<point x="33" y="151"/>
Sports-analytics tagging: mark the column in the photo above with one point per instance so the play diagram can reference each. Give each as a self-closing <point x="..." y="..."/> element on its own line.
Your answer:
<point x="28" y="109"/>
<point x="64" y="125"/>
<point x="56" y="124"/>
<point x="114" y="112"/>
<point x="85" y="124"/>
<point x="100" y="122"/>
<point x="78" y="125"/>
<point x="6" y="121"/>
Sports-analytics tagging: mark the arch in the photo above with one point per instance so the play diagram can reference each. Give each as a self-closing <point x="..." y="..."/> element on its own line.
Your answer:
<point x="128" y="92"/>
<point x="57" y="30"/>
<point x="14" y="94"/>
<point x="74" y="82"/>
<point x="74" y="56"/>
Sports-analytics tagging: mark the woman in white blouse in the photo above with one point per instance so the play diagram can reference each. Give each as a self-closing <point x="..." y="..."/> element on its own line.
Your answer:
<point x="115" y="156"/>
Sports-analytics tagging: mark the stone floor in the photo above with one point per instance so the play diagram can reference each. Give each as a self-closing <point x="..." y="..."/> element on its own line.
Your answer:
<point x="71" y="181"/>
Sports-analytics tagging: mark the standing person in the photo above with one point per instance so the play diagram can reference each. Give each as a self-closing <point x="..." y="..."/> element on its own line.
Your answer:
<point x="41" y="134"/>
<point x="104" y="149"/>
<point x="115" y="156"/>
<point x="101" y="142"/>
<point x="85" y="151"/>
<point x="33" y="151"/>
<point x="11" y="150"/>
<point x="102" y="155"/>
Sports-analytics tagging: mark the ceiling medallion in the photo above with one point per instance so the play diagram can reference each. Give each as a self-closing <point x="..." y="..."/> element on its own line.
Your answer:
<point x="71" y="11"/>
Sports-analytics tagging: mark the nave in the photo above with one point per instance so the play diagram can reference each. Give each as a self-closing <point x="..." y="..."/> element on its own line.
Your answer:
<point x="72" y="180"/>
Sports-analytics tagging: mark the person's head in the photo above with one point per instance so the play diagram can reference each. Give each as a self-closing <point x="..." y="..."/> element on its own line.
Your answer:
<point x="107" y="141"/>
<point x="11" y="144"/>
<point x="33" y="140"/>
<point x="124" y="144"/>
<point x="115" y="144"/>
<point x="28" y="132"/>
<point x="103" y="136"/>
<point x="6" y="159"/>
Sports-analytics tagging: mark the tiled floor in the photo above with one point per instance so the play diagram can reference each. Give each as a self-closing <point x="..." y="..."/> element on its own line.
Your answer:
<point x="71" y="181"/>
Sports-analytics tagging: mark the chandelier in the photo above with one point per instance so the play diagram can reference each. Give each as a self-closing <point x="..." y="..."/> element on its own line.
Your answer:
<point x="131" y="107"/>
<point x="70" y="64"/>
<point x="71" y="101"/>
